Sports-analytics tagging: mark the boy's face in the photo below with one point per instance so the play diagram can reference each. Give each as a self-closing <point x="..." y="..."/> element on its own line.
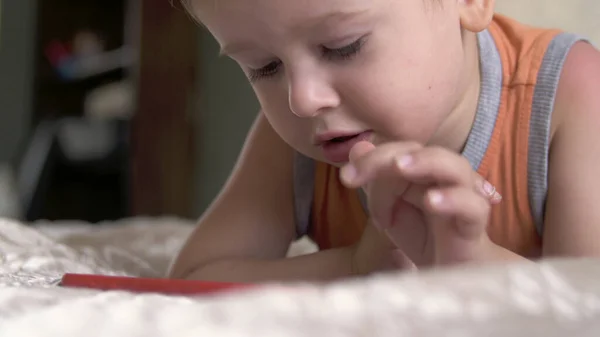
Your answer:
<point x="328" y="68"/>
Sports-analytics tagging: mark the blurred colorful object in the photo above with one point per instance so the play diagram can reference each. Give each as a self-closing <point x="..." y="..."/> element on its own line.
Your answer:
<point x="85" y="57"/>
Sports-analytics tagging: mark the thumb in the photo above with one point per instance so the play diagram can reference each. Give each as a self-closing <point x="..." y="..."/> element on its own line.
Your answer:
<point x="360" y="149"/>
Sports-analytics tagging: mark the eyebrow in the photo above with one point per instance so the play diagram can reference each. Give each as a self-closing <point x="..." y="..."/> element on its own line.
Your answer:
<point x="317" y="21"/>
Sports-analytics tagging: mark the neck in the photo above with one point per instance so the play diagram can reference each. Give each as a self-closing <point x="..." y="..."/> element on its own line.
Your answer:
<point x="453" y="133"/>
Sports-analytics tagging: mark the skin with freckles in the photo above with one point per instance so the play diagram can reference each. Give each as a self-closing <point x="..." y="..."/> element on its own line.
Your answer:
<point x="401" y="76"/>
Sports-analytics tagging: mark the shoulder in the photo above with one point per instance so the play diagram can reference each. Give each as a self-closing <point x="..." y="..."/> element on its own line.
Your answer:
<point x="572" y="222"/>
<point x="581" y="72"/>
<point x="578" y="92"/>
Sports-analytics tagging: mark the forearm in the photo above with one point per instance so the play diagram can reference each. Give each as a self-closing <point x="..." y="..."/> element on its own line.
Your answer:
<point x="322" y="266"/>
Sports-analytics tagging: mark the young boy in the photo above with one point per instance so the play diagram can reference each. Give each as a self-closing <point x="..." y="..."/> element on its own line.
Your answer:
<point x="388" y="131"/>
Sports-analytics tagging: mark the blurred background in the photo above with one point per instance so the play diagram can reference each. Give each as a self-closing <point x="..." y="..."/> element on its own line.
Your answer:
<point x="119" y="108"/>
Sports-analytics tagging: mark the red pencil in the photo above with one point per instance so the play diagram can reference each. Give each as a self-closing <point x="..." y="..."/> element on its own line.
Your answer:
<point x="149" y="285"/>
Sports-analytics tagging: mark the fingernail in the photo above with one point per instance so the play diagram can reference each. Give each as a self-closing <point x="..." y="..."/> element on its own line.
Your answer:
<point x="496" y="198"/>
<point x="436" y="198"/>
<point x="488" y="188"/>
<point x="349" y="173"/>
<point x="405" y="161"/>
<point x="490" y="191"/>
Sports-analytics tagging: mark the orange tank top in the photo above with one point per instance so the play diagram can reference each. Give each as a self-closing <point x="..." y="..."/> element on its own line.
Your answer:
<point x="508" y="144"/>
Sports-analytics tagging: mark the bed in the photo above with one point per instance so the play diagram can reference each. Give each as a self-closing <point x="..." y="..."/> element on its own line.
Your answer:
<point x="554" y="298"/>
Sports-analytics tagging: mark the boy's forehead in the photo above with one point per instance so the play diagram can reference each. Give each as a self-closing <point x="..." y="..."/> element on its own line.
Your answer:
<point x="291" y="12"/>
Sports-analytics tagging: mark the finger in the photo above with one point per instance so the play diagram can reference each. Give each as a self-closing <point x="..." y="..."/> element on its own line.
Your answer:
<point x="378" y="162"/>
<point x="487" y="190"/>
<point x="469" y="210"/>
<point x="413" y="193"/>
<point x="384" y="205"/>
<point x="360" y="149"/>
<point x="409" y="219"/>
<point x="441" y="167"/>
<point x="434" y="165"/>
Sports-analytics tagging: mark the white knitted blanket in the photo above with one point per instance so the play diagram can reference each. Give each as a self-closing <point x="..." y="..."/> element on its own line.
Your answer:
<point x="561" y="298"/>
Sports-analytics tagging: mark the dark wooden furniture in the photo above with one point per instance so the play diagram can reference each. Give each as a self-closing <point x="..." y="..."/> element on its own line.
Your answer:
<point x="149" y="171"/>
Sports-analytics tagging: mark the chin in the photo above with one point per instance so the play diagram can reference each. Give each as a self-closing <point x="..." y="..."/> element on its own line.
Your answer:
<point x="321" y="158"/>
<point x="338" y="165"/>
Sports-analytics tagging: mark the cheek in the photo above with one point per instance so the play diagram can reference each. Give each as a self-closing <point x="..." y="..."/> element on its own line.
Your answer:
<point x="293" y="130"/>
<point x="408" y="89"/>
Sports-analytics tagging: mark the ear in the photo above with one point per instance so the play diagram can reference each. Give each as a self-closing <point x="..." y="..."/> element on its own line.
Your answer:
<point x="476" y="15"/>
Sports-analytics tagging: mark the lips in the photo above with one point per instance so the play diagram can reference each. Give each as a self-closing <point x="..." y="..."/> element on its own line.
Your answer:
<point x="337" y="149"/>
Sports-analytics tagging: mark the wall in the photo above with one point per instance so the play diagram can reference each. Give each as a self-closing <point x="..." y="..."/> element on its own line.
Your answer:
<point x="16" y="81"/>
<point x="578" y="16"/>
<point x="228" y="105"/>
<point x="227" y="108"/>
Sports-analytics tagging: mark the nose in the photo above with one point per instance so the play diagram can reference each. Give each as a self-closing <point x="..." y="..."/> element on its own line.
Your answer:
<point x="311" y="94"/>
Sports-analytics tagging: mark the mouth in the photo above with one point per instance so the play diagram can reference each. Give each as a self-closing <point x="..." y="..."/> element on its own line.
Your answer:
<point x="341" y="139"/>
<point x="337" y="149"/>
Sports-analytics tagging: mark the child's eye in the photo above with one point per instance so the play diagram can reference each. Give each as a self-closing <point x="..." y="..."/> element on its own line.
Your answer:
<point x="266" y="71"/>
<point x="345" y="52"/>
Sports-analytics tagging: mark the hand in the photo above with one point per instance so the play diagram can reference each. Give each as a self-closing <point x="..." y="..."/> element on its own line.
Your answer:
<point x="428" y="200"/>
<point x="375" y="253"/>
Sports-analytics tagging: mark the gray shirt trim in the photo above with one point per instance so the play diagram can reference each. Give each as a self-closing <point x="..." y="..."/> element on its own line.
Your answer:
<point x="541" y="118"/>
<point x="489" y="100"/>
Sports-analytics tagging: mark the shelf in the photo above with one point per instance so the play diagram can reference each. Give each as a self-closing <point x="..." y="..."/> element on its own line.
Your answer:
<point x="80" y="45"/>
